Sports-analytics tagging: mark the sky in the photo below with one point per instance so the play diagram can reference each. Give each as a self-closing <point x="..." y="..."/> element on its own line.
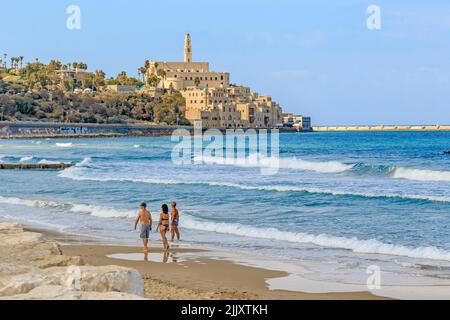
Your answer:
<point x="315" y="57"/>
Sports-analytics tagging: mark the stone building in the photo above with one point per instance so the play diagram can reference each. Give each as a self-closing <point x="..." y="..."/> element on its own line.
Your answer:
<point x="297" y="121"/>
<point x="180" y="75"/>
<point x="211" y="98"/>
<point x="232" y="107"/>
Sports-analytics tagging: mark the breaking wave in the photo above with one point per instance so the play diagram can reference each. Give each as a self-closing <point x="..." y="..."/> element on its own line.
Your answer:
<point x="26" y="159"/>
<point x="98" y="211"/>
<point x="260" y="161"/>
<point x="356" y="245"/>
<point x="45" y="161"/>
<point x="294" y="163"/>
<point x="64" y="145"/>
<point x="421" y="175"/>
<point x="371" y="246"/>
<point x="76" y="173"/>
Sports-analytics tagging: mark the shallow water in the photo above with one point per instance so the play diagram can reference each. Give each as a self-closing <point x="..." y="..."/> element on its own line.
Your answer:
<point x="349" y="200"/>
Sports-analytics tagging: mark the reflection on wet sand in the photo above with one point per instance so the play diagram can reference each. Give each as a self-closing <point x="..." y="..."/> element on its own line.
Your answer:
<point x="164" y="257"/>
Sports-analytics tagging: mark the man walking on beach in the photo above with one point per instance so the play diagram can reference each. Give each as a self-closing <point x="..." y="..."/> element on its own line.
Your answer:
<point x="175" y="221"/>
<point x="145" y="218"/>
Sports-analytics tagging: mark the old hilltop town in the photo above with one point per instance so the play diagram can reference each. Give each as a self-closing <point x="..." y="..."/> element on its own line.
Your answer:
<point x="166" y="93"/>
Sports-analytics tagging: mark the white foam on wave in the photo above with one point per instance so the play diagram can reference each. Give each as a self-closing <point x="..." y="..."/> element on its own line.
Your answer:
<point x="421" y="174"/>
<point x="137" y="146"/>
<point x="371" y="246"/>
<point x="261" y="161"/>
<point x="85" y="162"/>
<point x="94" y="210"/>
<point x="26" y="159"/>
<point x="45" y="161"/>
<point x="64" y="145"/>
<point x="76" y="173"/>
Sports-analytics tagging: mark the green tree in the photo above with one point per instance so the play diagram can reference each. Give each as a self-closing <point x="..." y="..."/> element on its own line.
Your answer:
<point x="162" y="74"/>
<point x="153" y="80"/>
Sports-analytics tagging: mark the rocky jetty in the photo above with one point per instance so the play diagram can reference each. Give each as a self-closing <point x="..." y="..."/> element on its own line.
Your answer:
<point x="37" y="166"/>
<point x="34" y="268"/>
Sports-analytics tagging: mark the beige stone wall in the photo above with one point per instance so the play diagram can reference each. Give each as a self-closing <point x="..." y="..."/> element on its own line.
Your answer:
<point x="182" y="75"/>
<point x="225" y="108"/>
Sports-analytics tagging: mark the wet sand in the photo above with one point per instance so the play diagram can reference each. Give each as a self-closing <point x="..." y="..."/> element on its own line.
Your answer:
<point x="185" y="276"/>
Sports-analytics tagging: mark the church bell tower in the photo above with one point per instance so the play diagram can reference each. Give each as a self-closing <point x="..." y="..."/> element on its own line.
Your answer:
<point x="187" y="48"/>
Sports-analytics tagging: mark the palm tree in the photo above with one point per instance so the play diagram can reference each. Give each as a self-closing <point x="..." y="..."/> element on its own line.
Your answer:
<point x="21" y="61"/>
<point x="5" y="55"/>
<point x="143" y="71"/>
<point x="162" y="74"/>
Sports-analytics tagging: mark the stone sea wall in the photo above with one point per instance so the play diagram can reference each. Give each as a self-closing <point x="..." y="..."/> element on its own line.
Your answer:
<point x="33" y="268"/>
<point x="43" y="130"/>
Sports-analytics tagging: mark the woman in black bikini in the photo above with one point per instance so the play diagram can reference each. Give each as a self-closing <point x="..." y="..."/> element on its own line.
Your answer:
<point x="164" y="225"/>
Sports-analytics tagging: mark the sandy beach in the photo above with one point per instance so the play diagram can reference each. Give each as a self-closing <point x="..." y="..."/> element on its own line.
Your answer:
<point x="38" y="264"/>
<point x="190" y="274"/>
<point x="199" y="278"/>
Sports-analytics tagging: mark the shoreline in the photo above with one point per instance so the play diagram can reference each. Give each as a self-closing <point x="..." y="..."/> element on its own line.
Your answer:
<point x="193" y="273"/>
<point x="190" y="273"/>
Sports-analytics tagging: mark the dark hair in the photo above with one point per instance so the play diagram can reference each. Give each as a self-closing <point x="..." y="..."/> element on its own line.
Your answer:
<point x="165" y="208"/>
<point x="174" y="204"/>
<point x="143" y="204"/>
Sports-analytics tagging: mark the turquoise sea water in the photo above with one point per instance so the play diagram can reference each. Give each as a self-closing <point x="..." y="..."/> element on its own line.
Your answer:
<point x="347" y="199"/>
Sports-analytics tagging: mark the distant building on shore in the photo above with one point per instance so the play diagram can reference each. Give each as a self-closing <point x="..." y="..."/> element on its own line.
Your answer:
<point x="300" y="122"/>
<point x="120" y="88"/>
<point x="211" y="98"/>
<point x="76" y="75"/>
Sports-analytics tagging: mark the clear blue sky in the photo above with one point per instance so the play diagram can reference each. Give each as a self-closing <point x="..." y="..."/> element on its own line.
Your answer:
<point x="314" y="57"/>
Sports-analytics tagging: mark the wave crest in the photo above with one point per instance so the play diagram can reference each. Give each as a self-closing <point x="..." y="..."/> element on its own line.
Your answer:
<point x="371" y="246"/>
<point x="94" y="210"/>
<point x="261" y="161"/>
<point x="421" y="175"/>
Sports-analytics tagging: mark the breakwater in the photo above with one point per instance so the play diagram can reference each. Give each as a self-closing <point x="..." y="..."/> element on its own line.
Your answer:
<point x="36" y="166"/>
<point x="383" y="128"/>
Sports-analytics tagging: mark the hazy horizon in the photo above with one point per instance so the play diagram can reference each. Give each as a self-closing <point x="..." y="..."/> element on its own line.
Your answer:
<point x="316" y="58"/>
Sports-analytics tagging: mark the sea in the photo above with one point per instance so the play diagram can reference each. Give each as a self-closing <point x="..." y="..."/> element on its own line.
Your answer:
<point x="339" y="203"/>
